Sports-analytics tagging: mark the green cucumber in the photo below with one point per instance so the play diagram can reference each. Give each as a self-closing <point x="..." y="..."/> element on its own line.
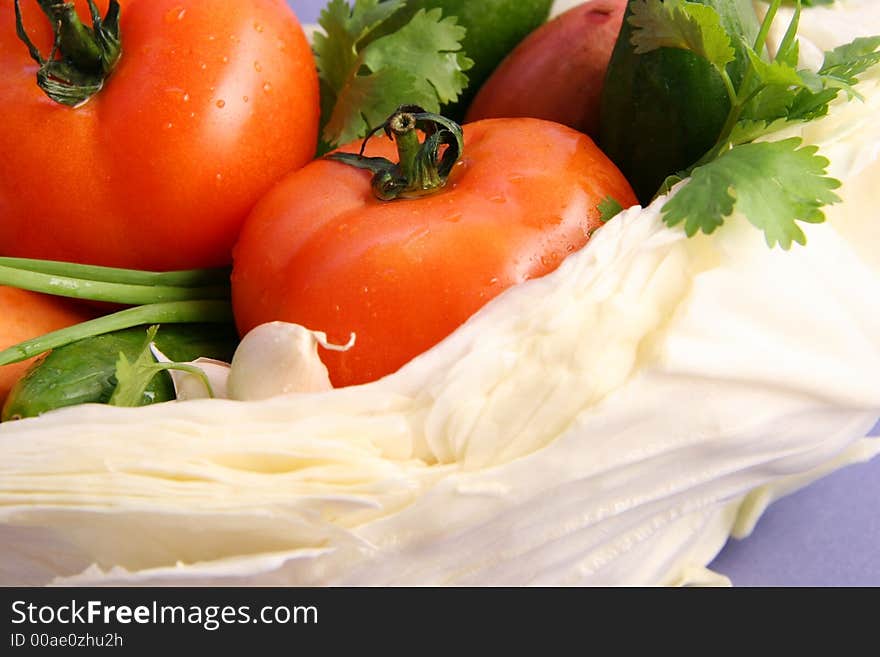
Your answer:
<point x="662" y="111"/>
<point x="84" y="371"/>
<point x="494" y="27"/>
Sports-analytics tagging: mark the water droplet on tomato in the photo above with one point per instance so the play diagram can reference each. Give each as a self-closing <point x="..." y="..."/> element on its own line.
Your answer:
<point x="224" y="59"/>
<point x="185" y="97"/>
<point x="203" y="66"/>
<point x="267" y="87"/>
<point x="221" y="103"/>
<point x="258" y="27"/>
<point x="219" y="177"/>
<point x="169" y="125"/>
<point x="211" y="37"/>
<point x="258" y="67"/>
<point x="175" y="14"/>
<point x="245" y="98"/>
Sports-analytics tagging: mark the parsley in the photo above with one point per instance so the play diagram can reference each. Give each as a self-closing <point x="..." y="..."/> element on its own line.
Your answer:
<point x="364" y="79"/>
<point x="773" y="184"/>
<point x="132" y="378"/>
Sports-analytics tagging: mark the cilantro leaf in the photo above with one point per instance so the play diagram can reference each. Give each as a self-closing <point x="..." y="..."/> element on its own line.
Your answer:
<point x="847" y="62"/>
<point x="682" y="25"/>
<point x="132" y="378"/>
<point x="774" y="184"/>
<point x="344" y="27"/>
<point x="364" y="80"/>
<point x="747" y="130"/>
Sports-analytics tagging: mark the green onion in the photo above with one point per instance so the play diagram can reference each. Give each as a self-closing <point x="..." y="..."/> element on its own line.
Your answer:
<point x="154" y="313"/>
<point x="186" y="278"/>
<point x="188" y="296"/>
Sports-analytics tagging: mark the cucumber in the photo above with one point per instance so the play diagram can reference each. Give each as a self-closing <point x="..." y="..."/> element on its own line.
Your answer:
<point x="494" y="27"/>
<point x="662" y="111"/>
<point x="84" y="372"/>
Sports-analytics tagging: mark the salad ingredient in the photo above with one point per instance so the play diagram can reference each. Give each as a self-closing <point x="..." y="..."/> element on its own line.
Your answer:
<point x="27" y="315"/>
<point x="544" y="443"/>
<point x="661" y="110"/>
<point x="558" y="71"/>
<point x="188" y="296"/>
<point x="774" y="185"/>
<point x="133" y="377"/>
<point x="320" y="250"/>
<point x="363" y="78"/>
<point x="493" y="29"/>
<point x="279" y="358"/>
<point x="210" y="102"/>
<point x="86" y="371"/>
<point x="206" y="378"/>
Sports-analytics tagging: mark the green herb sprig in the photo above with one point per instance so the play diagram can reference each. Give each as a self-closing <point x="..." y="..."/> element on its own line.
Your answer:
<point x="191" y="296"/>
<point x="775" y="184"/>
<point x="364" y="78"/>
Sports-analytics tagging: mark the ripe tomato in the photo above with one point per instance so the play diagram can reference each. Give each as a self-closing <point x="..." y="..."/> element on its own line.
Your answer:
<point x="27" y="315"/>
<point x="320" y="250"/>
<point x="211" y="102"/>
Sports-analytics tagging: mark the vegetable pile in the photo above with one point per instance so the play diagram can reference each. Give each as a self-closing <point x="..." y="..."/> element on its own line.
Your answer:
<point x="159" y="135"/>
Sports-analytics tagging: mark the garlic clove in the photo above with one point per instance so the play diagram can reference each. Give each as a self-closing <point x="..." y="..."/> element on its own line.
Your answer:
<point x="279" y="358"/>
<point x="189" y="386"/>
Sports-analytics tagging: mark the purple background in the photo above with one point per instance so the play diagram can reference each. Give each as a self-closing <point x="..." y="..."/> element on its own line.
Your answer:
<point x="825" y="535"/>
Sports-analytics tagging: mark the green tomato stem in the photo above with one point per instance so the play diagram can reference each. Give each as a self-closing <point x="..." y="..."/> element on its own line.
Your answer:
<point x="82" y="57"/>
<point x="424" y="167"/>
<point x="179" y="312"/>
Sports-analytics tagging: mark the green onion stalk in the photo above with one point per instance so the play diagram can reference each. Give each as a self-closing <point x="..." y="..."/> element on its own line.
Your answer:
<point x="190" y="296"/>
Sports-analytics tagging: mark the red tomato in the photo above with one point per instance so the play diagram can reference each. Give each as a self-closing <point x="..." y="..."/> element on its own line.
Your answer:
<point x="27" y="315"/>
<point x="320" y="250"/>
<point x="211" y="102"/>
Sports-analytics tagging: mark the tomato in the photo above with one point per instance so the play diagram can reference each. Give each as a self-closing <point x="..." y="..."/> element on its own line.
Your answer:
<point x="211" y="102"/>
<point x="320" y="250"/>
<point x="27" y="315"/>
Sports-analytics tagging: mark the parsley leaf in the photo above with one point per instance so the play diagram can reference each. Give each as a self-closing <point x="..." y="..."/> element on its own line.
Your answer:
<point x="848" y="61"/>
<point x="774" y="184"/>
<point x="132" y="378"/>
<point x="681" y="25"/>
<point x="364" y="80"/>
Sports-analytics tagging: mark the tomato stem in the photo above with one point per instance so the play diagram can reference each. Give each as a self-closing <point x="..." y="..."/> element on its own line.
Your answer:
<point x="423" y="167"/>
<point x="82" y="57"/>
